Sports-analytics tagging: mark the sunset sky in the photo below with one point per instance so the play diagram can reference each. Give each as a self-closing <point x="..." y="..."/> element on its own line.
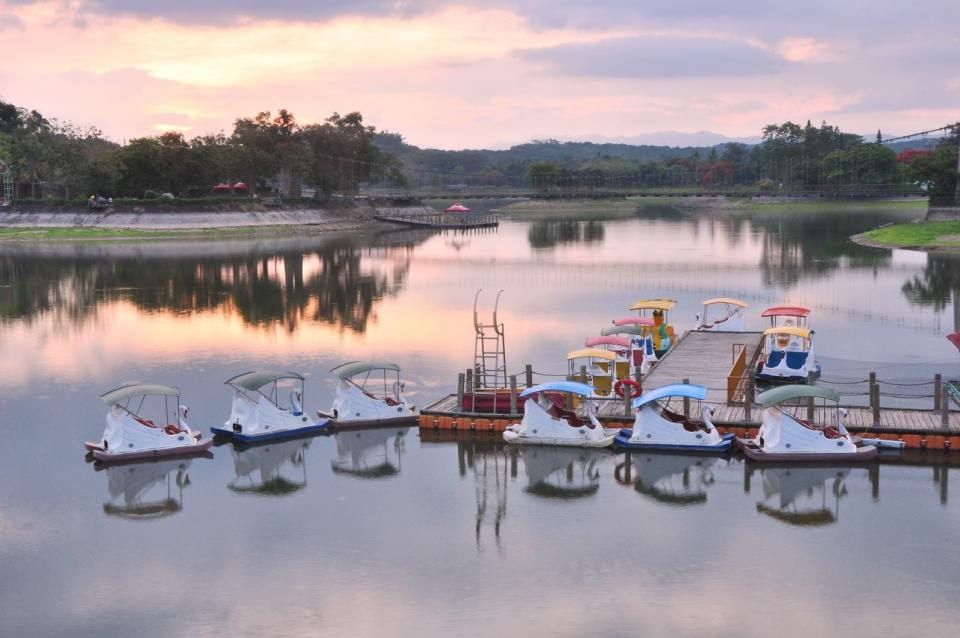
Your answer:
<point x="486" y="74"/>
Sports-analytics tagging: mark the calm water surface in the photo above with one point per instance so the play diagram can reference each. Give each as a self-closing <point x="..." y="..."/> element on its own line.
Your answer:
<point x="388" y="532"/>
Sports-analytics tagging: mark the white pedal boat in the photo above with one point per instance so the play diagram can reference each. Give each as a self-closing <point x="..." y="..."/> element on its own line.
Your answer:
<point x="544" y="423"/>
<point x="256" y="415"/>
<point x="785" y="438"/>
<point x="655" y="427"/>
<point x="130" y="434"/>
<point x="722" y="314"/>
<point x="789" y="356"/>
<point x="369" y="394"/>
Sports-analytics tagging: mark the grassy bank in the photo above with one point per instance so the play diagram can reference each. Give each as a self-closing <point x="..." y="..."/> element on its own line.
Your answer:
<point x="923" y="235"/>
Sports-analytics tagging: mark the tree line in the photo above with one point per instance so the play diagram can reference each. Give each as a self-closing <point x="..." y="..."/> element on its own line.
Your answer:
<point x="50" y="158"/>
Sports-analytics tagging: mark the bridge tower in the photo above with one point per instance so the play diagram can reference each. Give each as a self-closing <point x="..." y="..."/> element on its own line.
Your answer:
<point x="6" y="184"/>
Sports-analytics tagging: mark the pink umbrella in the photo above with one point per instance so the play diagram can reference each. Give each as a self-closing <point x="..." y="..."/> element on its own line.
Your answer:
<point x="458" y="208"/>
<point x="240" y="186"/>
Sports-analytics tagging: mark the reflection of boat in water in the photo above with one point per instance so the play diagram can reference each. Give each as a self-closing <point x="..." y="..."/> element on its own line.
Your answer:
<point x="369" y="453"/>
<point x="671" y="479"/>
<point x="798" y="485"/>
<point x="130" y="483"/>
<point x="562" y="472"/>
<point x="260" y="469"/>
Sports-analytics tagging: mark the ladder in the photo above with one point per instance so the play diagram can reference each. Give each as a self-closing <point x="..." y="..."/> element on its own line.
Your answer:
<point x="489" y="350"/>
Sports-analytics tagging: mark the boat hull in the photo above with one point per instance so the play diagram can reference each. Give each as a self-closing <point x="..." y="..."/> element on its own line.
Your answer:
<point x="753" y="452"/>
<point x="622" y="441"/>
<point x="276" y="435"/>
<point x="516" y="439"/>
<point x="369" y="424"/>
<point x="202" y="445"/>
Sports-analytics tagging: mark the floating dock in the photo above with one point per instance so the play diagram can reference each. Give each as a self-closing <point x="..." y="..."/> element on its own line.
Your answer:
<point x="724" y="362"/>
<point x="440" y="220"/>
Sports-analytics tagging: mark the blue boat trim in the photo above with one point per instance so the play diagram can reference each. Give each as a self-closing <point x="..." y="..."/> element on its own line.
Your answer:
<point x="270" y="436"/>
<point x="623" y="441"/>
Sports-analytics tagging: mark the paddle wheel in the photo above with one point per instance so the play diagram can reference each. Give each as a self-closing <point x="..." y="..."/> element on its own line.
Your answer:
<point x="6" y="184"/>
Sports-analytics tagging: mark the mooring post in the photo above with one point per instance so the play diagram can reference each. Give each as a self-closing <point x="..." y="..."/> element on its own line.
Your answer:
<point x="513" y="394"/>
<point x="686" y="403"/>
<point x="945" y="407"/>
<point x="637" y="375"/>
<point x="528" y="370"/>
<point x="875" y="403"/>
<point x="469" y="385"/>
<point x="461" y="379"/>
<point x="937" y="389"/>
<point x="627" y="401"/>
<point x="583" y="374"/>
<point x="810" y="405"/>
<point x="748" y="400"/>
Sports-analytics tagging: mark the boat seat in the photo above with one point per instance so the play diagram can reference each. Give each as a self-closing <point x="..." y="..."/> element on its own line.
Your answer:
<point x="796" y="359"/>
<point x="688" y="425"/>
<point x="141" y="421"/>
<point x="391" y="401"/>
<point x="774" y="359"/>
<point x="569" y="416"/>
<point x="831" y="432"/>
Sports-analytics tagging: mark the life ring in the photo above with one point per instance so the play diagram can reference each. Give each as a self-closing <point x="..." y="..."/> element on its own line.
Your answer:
<point x="635" y="389"/>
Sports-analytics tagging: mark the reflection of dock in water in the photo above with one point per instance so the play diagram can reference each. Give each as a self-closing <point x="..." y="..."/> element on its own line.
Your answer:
<point x="128" y="484"/>
<point x="491" y="464"/>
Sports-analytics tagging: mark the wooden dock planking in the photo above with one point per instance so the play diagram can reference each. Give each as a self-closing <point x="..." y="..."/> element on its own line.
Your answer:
<point x="705" y="358"/>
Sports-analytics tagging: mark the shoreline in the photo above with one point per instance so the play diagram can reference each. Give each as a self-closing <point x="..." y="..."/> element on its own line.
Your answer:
<point x="927" y="237"/>
<point x="27" y="225"/>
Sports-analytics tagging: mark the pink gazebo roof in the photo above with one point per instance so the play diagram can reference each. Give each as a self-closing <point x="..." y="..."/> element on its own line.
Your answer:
<point x="607" y="341"/>
<point x="633" y="321"/>
<point x="458" y="208"/>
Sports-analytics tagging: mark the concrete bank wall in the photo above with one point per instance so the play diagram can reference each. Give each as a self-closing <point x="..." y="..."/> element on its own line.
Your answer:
<point x="942" y="213"/>
<point x="359" y="212"/>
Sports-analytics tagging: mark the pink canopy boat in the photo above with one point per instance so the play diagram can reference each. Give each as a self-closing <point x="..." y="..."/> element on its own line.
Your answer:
<point x="633" y="321"/>
<point x="607" y="341"/>
<point x="458" y="208"/>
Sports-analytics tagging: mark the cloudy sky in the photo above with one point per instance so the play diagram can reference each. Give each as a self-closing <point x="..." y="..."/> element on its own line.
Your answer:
<point x="487" y="73"/>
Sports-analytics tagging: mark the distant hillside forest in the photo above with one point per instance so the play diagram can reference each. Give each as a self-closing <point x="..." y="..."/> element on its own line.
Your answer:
<point x="343" y="154"/>
<point x="790" y="156"/>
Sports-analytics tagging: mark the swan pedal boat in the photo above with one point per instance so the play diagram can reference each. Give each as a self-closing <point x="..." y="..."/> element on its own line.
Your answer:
<point x="544" y="423"/>
<point x="357" y="405"/>
<point x="130" y="436"/>
<point x="657" y="428"/>
<point x="785" y="439"/>
<point x="256" y="416"/>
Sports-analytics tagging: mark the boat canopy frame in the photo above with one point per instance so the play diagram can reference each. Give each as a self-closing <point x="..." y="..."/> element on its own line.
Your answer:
<point x="594" y="353"/>
<point x="665" y="305"/>
<point x="256" y="380"/>
<point x="686" y="390"/>
<point x="783" y="393"/>
<point x="348" y="371"/>
<point x="804" y="333"/>
<point x="571" y="387"/>
<point x="123" y="396"/>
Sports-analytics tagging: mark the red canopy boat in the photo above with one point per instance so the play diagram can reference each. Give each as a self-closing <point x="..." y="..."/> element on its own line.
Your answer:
<point x="458" y="208"/>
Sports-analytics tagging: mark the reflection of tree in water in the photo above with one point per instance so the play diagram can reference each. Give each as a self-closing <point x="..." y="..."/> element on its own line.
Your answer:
<point x="938" y="286"/>
<point x="338" y="282"/>
<point x="550" y="233"/>
<point x="810" y="244"/>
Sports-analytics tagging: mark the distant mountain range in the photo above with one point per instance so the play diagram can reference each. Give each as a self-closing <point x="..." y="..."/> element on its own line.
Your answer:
<point x="701" y="139"/>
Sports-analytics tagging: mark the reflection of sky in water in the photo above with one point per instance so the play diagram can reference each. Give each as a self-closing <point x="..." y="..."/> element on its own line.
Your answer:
<point x="453" y="538"/>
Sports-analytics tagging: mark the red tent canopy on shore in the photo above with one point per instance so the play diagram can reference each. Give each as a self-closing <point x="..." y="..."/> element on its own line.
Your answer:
<point x="222" y="187"/>
<point x="458" y="208"/>
<point x="240" y="186"/>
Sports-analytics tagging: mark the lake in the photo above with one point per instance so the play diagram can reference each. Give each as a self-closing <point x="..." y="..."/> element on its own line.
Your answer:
<point x="387" y="532"/>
